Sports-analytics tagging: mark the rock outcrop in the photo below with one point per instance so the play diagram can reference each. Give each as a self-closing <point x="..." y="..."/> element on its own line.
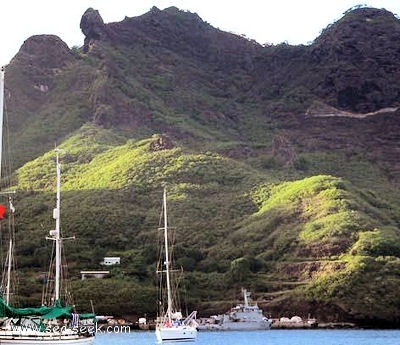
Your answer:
<point x="92" y="26"/>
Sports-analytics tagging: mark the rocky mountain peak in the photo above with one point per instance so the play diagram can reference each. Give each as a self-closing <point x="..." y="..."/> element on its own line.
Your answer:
<point x="363" y="25"/>
<point x="359" y="55"/>
<point x="57" y="51"/>
<point x="92" y="26"/>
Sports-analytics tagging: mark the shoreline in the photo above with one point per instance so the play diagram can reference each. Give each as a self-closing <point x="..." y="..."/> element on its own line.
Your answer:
<point x="314" y="325"/>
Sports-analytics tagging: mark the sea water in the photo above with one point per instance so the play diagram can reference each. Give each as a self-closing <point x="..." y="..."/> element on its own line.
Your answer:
<point x="271" y="337"/>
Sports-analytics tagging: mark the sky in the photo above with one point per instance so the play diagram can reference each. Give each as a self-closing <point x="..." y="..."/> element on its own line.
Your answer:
<point x="266" y="21"/>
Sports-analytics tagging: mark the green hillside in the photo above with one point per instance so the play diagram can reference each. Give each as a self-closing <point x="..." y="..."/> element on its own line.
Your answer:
<point x="281" y="165"/>
<point x="307" y="239"/>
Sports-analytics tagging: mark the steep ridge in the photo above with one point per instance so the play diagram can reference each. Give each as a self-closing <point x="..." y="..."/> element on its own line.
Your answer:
<point x="207" y="83"/>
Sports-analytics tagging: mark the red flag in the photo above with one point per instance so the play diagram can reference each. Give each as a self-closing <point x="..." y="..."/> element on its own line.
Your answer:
<point x="2" y="210"/>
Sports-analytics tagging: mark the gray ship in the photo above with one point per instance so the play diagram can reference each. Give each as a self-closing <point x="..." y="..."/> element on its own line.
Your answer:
<point x="243" y="317"/>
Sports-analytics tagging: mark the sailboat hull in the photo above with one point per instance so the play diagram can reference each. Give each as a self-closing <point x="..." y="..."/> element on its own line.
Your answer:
<point x="177" y="333"/>
<point x="10" y="338"/>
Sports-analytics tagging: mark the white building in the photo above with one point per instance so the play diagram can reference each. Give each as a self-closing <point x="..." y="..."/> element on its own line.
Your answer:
<point x="111" y="260"/>
<point x="94" y="274"/>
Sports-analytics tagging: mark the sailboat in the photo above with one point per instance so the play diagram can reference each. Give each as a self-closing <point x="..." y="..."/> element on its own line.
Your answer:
<point x="52" y="325"/>
<point x="171" y="326"/>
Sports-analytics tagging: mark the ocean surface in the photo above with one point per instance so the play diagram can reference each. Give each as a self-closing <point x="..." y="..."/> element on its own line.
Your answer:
<point x="271" y="337"/>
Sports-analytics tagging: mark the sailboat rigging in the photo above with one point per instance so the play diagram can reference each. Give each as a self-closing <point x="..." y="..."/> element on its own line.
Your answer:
<point x="171" y="326"/>
<point x="45" y="324"/>
<point x="9" y="262"/>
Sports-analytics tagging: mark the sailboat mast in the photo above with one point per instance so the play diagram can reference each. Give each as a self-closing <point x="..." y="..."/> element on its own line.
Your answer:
<point x="9" y="262"/>
<point x="167" y="261"/>
<point x="57" y="237"/>
<point x="245" y="297"/>
<point x="1" y="175"/>
<point x="9" y="256"/>
<point x="1" y="113"/>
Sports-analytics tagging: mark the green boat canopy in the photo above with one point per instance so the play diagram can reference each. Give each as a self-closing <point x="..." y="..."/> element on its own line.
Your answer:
<point x="56" y="311"/>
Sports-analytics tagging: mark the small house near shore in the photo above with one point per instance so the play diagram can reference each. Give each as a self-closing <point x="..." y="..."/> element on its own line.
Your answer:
<point x="111" y="260"/>
<point x="94" y="274"/>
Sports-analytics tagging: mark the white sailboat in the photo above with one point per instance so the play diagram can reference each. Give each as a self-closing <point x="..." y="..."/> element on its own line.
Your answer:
<point x="170" y="325"/>
<point x="46" y="324"/>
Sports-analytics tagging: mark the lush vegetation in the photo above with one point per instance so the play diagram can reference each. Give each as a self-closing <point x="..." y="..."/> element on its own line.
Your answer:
<point x="235" y="225"/>
<point x="302" y="210"/>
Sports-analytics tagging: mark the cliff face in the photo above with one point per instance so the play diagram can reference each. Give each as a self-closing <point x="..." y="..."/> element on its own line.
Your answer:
<point x="352" y="65"/>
